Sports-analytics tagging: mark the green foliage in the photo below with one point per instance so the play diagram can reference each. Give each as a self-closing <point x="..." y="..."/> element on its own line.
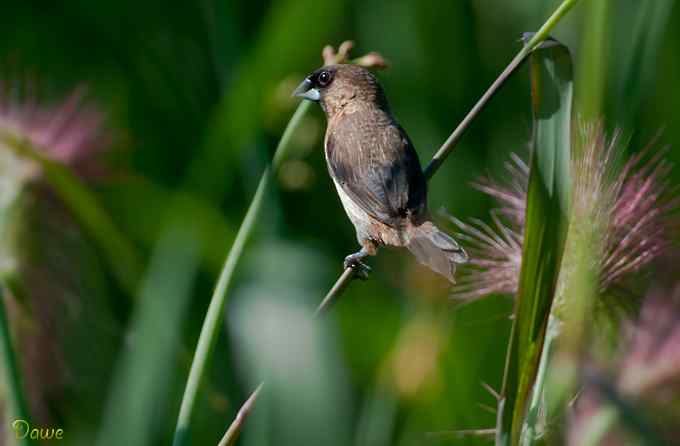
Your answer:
<point x="635" y="69"/>
<point x="145" y="371"/>
<point x="197" y="96"/>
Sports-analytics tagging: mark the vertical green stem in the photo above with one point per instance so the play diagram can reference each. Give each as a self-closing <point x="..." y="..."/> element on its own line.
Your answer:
<point x="438" y="159"/>
<point x="593" y="57"/>
<point x="18" y="409"/>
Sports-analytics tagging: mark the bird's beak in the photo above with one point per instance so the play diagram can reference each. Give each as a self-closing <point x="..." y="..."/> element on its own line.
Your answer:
<point x="305" y="91"/>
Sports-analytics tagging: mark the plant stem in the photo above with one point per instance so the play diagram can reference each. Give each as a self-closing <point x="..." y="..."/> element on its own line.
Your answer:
<point x="235" y="427"/>
<point x="535" y="40"/>
<point x="592" y="71"/>
<point x="335" y="291"/>
<point x="18" y="408"/>
<point x="440" y="156"/>
<point x="438" y="159"/>
<point x="451" y="142"/>
<point x="234" y="430"/>
<point x="549" y="24"/>
<point x="211" y="324"/>
<point x="284" y="144"/>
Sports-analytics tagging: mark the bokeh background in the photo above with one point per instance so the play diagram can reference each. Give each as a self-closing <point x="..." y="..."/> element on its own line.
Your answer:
<point x="196" y="96"/>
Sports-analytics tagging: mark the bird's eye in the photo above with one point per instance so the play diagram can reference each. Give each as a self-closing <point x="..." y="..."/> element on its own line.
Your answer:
<point x="324" y="78"/>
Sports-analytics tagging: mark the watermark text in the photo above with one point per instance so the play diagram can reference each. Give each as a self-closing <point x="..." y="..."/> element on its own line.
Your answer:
<point x="23" y="430"/>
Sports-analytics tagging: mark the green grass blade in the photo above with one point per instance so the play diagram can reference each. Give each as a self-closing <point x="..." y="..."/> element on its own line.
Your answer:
<point x="213" y="318"/>
<point x="591" y="76"/>
<point x="544" y="232"/>
<point x="637" y="69"/>
<point x="18" y="409"/>
<point x="144" y="374"/>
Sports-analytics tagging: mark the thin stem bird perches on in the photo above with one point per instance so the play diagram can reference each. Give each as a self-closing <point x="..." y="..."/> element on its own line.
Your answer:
<point x="330" y="56"/>
<point x="437" y="160"/>
<point x="451" y="142"/>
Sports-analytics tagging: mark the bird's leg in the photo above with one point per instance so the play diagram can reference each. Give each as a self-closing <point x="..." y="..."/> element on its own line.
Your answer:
<point x="354" y="261"/>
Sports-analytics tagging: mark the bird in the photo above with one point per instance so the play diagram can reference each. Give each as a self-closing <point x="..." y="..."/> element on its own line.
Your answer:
<point x="376" y="170"/>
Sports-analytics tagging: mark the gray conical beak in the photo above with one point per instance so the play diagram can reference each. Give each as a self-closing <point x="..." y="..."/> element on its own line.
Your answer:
<point x="306" y="91"/>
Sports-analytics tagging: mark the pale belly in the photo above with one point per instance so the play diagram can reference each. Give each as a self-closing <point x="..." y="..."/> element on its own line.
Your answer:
<point x="367" y="227"/>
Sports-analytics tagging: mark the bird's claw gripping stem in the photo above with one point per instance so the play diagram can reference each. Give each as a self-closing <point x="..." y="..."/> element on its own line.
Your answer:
<point x="354" y="261"/>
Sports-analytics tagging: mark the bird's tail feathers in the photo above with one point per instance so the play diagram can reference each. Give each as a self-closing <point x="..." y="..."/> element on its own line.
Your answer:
<point x="436" y="249"/>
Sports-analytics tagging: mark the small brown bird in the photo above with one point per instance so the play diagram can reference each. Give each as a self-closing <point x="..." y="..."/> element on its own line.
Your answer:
<point x="376" y="170"/>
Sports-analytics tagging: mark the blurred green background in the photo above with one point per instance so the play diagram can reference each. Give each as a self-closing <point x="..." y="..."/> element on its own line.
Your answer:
<point x="196" y="96"/>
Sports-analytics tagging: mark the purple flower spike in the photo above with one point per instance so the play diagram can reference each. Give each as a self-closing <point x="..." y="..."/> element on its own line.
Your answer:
<point x="632" y="207"/>
<point x="645" y="375"/>
<point x="640" y="218"/>
<point x="651" y="366"/>
<point x="70" y="131"/>
<point x="495" y="251"/>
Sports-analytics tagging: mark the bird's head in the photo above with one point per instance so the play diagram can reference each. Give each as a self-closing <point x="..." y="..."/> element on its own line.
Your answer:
<point x="337" y="86"/>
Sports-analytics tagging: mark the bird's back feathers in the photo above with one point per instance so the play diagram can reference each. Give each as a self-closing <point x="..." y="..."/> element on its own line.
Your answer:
<point x="374" y="162"/>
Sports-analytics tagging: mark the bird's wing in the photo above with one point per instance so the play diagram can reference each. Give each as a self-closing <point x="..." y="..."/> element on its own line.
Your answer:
<point x="379" y="170"/>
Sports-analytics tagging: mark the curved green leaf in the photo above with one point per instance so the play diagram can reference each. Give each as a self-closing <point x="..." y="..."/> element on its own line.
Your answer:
<point x="544" y="231"/>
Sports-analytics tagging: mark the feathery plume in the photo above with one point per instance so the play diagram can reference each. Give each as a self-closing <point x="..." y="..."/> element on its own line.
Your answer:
<point x="69" y="131"/>
<point x="644" y="379"/>
<point x="632" y="206"/>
